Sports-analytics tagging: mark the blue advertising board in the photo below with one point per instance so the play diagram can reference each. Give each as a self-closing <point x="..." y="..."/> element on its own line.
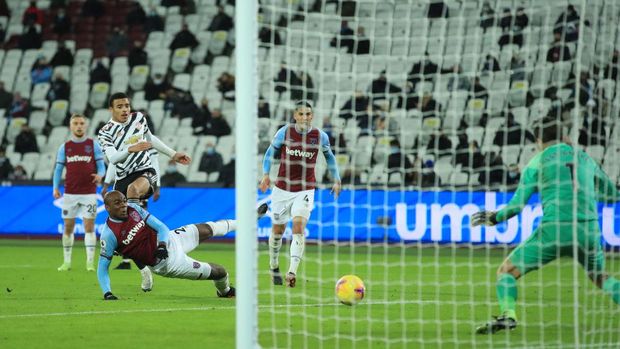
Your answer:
<point x="360" y="215"/>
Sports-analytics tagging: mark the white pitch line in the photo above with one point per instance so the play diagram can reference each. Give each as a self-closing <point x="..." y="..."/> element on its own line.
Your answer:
<point x="230" y="307"/>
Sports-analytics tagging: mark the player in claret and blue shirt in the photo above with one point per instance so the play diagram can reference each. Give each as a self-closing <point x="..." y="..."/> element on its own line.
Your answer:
<point x="134" y="233"/>
<point x="298" y="146"/>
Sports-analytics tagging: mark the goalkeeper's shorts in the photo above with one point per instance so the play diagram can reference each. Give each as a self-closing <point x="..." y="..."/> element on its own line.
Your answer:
<point x="554" y="240"/>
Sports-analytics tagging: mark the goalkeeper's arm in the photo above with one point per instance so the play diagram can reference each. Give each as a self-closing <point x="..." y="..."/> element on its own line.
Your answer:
<point x="606" y="190"/>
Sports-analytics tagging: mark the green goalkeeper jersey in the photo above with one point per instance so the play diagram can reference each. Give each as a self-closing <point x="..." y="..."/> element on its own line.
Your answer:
<point x="570" y="184"/>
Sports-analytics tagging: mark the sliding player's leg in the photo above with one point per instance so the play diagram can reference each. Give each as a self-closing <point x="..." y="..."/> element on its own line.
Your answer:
<point x="179" y="265"/>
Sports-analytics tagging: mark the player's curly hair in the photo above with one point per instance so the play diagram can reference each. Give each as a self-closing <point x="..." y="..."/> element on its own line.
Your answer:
<point x="115" y="96"/>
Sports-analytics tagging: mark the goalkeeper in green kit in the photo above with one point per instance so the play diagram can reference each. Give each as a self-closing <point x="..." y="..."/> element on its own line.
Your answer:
<point x="570" y="184"/>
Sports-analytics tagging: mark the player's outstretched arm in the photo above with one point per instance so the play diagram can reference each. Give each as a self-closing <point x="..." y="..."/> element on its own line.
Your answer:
<point x="332" y="165"/>
<point x="108" y="245"/>
<point x="60" y="165"/>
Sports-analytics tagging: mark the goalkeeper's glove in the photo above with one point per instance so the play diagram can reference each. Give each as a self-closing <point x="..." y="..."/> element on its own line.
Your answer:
<point x="108" y="296"/>
<point x="161" y="252"/>
<point x="484" y="218"/>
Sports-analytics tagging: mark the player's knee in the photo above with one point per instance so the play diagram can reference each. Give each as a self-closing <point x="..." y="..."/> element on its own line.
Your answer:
<point x="508" y="268"/>
<point x="278" y="229"/>
<point x="217" y="271"/>
<point x="598" y="278"/>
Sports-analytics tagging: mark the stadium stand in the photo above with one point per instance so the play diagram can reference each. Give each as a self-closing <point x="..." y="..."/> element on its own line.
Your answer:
<point x="459" y="77"/>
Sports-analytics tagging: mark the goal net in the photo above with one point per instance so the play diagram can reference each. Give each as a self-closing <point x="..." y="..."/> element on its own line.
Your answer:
<point x="430" y="108"/>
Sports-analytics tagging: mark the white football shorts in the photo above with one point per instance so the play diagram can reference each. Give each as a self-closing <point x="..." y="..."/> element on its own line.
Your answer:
<point x="79" y="205"/>
<point x="286" y="205"/>
<point x="178" y="264"/>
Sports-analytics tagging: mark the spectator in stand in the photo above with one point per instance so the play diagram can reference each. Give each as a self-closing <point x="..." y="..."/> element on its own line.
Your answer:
<point x="4" y="9"/>
<point x="63" y="56"/>
<point x="153" y="22"/>
<point x="521" y="19"/>
<point x="567" y="24"/>
<point x="170" y="3"/>
<point x="344" y="37"/>
<point x="26" y="141"/>
<point x="457" y="80"/>
<point x="490" y="64"/>
<point x="399" y="162"/>
<point x="505" y="20"/>
<point x="423" y="70"/>
<point x="184" y="106"/>
<point x="33" y="15"/>
<point x="227" y="174"/>
<point x="270" y="37"/>
<point x="512" y="133"/>
<point x="513" y="176"/>
<point x="41" y="71"/>
<point x="184" y="38"/>
<point x="92" y="8"/>
<point x="211" y="161"/>
<point x="355" y="106"/>
<point x="221" y="21"/>
<point x="592" y="131"/>
<point x="31" y="38"/>
<point x="437" y="9"/>
<point x="427" y="177"/>
<point x="285" y="78"/>
<point x="137" y="55"/>
<point x="59" y="89"/>
<point x="57" y="4"/>
<point x="611" y="70"/>
<point x="6" y="98"/>
<point x="19" y="107"/>
<point x="2" y="34"/>
<point x="380" y="88"/>
<point x="5" y="165"/>
<point x="117" y="42"/>
<point x="471" y="160"/>
<point x="156" y="87"/>
<point x="478" y="91"/>
<point x="100" y="73"/>
<point x="217" y="124"/>
<point x="303" y="88"/>
<point x="362" y="43"/>
<point x="263" y="108"/>
<point x="226" y="85"/>
<point x="517" y="68"/>
<point x="487" y="16"/>
<point x="427" y="104"/>
<point x="62" y="23"/>
<point x="558" y="51"/>
<point x="188" y="8"/>
<point x="136" y="17"/>
<point x="19" y="174"/>
<point x="172" y="177"/>
<point x="495" y="175"/>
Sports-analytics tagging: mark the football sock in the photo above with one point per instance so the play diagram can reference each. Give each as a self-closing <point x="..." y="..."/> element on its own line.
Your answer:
<point x="507" y="294"/>
<point x="90" y="240"/>
<point x="612" y="287"/>
<point x="222" y="285"/>
<point x="126" y="260"/>
<point x="222" y="227"/>
<point x="297" y="251"/>
<point x="275" y="243"/>
<point x="67" y="246"/>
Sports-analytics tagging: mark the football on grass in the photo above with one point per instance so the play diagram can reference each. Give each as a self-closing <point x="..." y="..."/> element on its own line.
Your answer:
<point x="350" y="289"/>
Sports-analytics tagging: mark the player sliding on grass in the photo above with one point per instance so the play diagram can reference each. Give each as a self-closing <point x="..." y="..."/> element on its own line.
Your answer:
<point x="570" y="184"/>
<point x="293" y="195"/>
<point x="133" y="232"/>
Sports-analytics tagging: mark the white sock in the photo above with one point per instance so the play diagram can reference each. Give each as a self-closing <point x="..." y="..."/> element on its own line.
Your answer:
<point x="222" y="285"/>
<point x="90" y="241"/>
<point x="297" y="251"/>
<point x="221" y="228"/>
<point x="67" y="246"/>
<point x="275" y="243"/>
<point x="126" y="260"/>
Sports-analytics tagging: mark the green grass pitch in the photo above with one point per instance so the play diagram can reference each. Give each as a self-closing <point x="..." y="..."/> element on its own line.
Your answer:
<point x="416" y="298"/>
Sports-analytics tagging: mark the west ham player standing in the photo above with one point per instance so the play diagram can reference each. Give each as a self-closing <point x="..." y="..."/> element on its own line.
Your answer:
<point x="83" y="159"/>
<point x="133" y="232"/>
<point x="293" y="194"/>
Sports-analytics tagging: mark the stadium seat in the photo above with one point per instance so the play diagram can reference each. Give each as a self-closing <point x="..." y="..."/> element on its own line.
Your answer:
<point x="99" y="95"/>
<point x="180" y="58"/>
<point x="58" y="112"/>
<point x="218" y="42"/>
<point x="139" y="76"/>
